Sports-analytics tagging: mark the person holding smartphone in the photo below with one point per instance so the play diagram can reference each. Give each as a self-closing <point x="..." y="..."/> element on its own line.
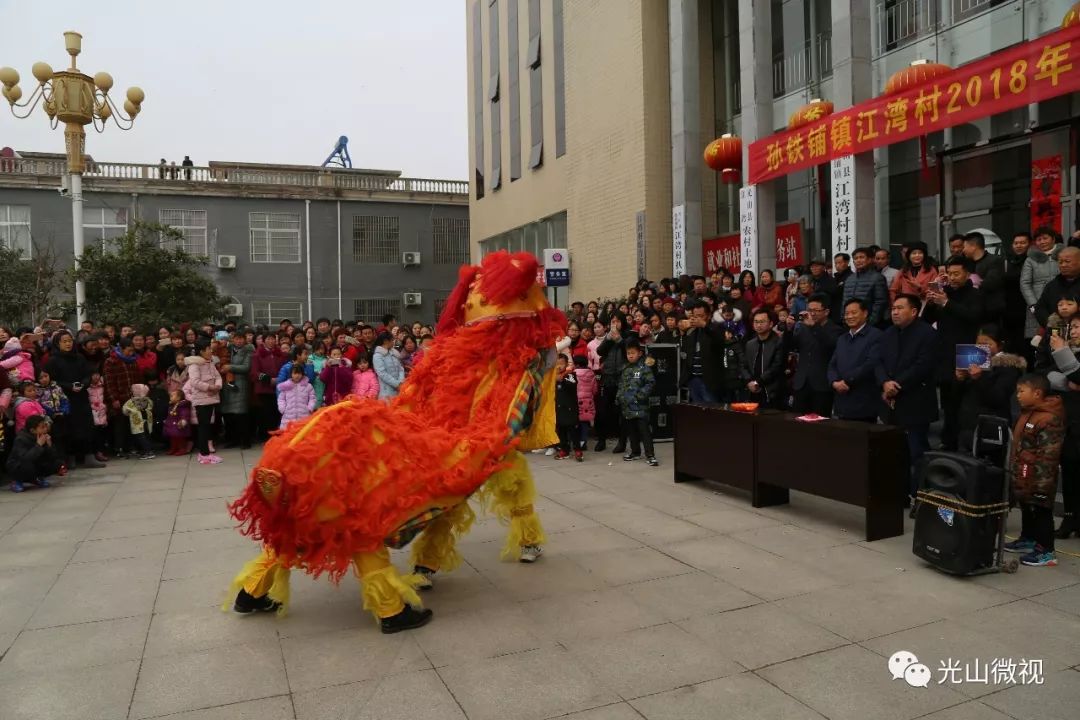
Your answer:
<point x="70" y="369"/>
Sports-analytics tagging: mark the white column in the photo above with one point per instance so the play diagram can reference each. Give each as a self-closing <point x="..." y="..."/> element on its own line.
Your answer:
<point x="755" y="73"/>
<point x="686" y="143"/>
<point x="77" y="235"/>
<point x="307" y="242"/>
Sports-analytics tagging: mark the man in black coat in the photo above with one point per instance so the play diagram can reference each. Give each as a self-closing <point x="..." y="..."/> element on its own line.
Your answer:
<point x="763" y="363"/>
<point x="1015" y="307"/>
<point x="841" y="273"/>
<point x="1068" y="279"/>
<point x="69" y="369"/>
<point x="851" y="369"/>
<point x="959" y="310"/>
<point x="906" y="374"/>
<point x="991" y="272"/>
<point x="698" y="353"/>
<point x="814" y="340"/>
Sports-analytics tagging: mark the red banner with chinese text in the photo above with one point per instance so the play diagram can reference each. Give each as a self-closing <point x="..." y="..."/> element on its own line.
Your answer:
<point x="1017" y="76"/>
<point x="724" y="252"/>
<point x="1046" y="193"/>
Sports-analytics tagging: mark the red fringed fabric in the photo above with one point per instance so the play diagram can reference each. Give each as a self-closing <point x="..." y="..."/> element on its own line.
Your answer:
<point x="352" y="473"/>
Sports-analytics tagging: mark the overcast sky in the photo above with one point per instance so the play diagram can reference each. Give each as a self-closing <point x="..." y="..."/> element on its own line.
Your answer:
<point x="270" y="81"/>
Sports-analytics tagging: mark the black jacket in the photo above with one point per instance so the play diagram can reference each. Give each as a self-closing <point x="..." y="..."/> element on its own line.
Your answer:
<point x="1053" y="291"/>
<point x="66" y="368"/>
<point x="909" y="357"/>
<point x="868" y="285"/>
<point x="566" y="403"/>
<point x="612" y="360"/>
<point x="28" y="460"/>
<point x="992" y="394"/>
<point x="711" y="338"/>
<point x="839" y="281"/>
<point x="854" y="362"/>
<point x="991" y="270"/>
<point x="771" y="378"/>
<point x="957" y="323"/>
<point x="814" y="345"/>
<point x="1015" y="308"/>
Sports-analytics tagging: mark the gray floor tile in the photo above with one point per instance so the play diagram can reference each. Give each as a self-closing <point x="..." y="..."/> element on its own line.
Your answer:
<point x="866" y="691"/>
<point x="603" y="612"/>
<point x="176" y="633"/>
<point x="762" y="635"/>
<point x="271" y="708"/>
<point x="973" y="710"/>
<point x="208" y="540"/>
<point x="730" y="520"/>
<point x="99" y="591"/>
<point x="617" y="711"/>
<point x="205" y="521"/>
<point x="1065" y="599"/>
<point x="417" y="695"/>
<point x="101" y="691"/>
<point x="107" y="529"/>
<point x="619" y="567"/>
<point x="1056" y="699"/>
<point x="316" y="661"/>
<point x="739" y="697"/>
<point x="652" y="660"/>
<point x="476" y="634"/>
<point x="200" y="591"/>
<point x="205" y="679"/>
<point x="532" y="685"/>
<point x="554" y="574"/>
<point x="75" y="646"/>
<point x="687" y="596"/>
<point x="147" y="547"/>
<point x="1036" y="630"/>
<point x="783" y="539"/>
<point x="229" y="559"/>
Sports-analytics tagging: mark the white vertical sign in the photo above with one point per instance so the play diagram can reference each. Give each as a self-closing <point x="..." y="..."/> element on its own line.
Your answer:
<point x="640" y="237"/>
<point x="678" y="241"/>
<point x="748" y="232"/>
<point x="843" y="204"/>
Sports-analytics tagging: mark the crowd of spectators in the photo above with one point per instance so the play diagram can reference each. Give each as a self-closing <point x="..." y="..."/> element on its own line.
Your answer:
<point x="865" y="340"/>
<point x="80" y="399"/>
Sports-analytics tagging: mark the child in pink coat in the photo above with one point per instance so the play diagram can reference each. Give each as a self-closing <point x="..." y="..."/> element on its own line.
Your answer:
<point x="26" y="404"/>
<point x="18" y="363"/>
<point x="365" y="382"/>
<point x="587" y="389"/>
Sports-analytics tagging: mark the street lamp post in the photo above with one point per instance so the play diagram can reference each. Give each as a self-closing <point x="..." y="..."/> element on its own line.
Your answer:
<point x="77" y="100"/>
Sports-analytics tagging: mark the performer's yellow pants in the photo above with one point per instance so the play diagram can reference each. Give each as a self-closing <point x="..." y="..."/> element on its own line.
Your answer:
<point x="509" y="494"/>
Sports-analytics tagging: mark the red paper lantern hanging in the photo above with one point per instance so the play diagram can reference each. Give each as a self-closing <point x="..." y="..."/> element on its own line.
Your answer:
<point x="1072" y="17"/>
<point x="724" y="155"/>
<point x="917" y="73"/>
<point x="811" y="112"/>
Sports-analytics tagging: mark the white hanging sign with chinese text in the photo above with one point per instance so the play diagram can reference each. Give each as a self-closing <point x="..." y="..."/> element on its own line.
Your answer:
<point x="748" y="231"/>
<point x="843" y="204"/>
<point x="678" y="241"/>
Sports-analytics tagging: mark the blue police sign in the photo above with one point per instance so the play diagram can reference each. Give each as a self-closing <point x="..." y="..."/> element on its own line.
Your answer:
<point x="557" y="267"/>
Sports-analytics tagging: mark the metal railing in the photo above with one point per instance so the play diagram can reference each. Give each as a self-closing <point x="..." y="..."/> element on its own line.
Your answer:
<point x="963" y="9"/>
<point x="808" y="64"/>
<point x="898" y="22"/>
<point x="315" y="177"/>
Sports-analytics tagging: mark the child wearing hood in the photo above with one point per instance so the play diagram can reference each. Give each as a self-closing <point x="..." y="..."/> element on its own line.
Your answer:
<point x="140" y="413"/>
<point x="178" y="424"/>
<point x="17" y="362"/>
<point x="26" y="404"/>
<point x="296" y="396"/>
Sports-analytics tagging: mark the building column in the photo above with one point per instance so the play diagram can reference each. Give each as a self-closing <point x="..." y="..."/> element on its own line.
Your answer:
<point x="853" y="83"/>
<point x="687" y="161"/>
<point x="756" y="80"/>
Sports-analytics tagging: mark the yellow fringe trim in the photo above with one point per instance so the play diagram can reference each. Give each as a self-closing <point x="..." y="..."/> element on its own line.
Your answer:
<point x="541" y="432"/>
<point x="436" y="547"/>
<point x="509" y="494"/>
<point x="385" y="592"/>
<point x="259" y="573"/>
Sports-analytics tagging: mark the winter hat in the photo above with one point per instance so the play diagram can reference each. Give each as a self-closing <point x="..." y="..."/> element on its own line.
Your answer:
<point x="139" y="391"/>
<point x="12" y="343"/>
<point x="918" y="245"/>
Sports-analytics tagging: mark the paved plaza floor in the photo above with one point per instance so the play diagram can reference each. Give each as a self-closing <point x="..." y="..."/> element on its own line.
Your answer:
<point x="652" y="601"/>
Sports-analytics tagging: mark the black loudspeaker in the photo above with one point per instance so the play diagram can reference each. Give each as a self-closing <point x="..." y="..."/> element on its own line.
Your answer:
<point x="958" y="516"/>
<point x="665" y="393"/>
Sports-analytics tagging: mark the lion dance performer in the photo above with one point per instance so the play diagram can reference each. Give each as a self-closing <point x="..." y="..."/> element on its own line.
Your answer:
<point x="338" y="489"/>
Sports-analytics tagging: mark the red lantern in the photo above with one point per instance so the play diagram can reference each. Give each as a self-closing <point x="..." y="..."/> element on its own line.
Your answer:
<point x="1072" y="17"/>
<point x="915" y="74"/>
<point x="724" y="155"/>
<point x="811" y="112"/>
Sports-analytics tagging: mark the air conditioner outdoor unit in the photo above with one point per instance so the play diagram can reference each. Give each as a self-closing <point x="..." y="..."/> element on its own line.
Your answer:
<point x="226" y="262"/>
<point x="234" y="310"/>
<point x="411" y="299"/>
<point x="410" y="259"/>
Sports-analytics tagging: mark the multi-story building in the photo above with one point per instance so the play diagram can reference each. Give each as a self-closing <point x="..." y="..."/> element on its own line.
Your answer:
<point x="588" y="121"/>
<point x="283" y="241"/>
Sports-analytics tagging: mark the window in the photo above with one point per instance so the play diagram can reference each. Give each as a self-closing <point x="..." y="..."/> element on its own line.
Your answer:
<point x="536" y="88"/>
<point x="376" y="240"/>
<point x="478" y="99"/>
<point x="15" y="228"/>
<point x="451" y="240"/>
<point x="440" y="305"/>
<point x="275" y="237"/>
<point x="560" y="79"/>
<point x="100" y="224"/>
<point x="272" y="312"/>
<point x="493" y="94"/>
<point x="192" y="224"/>
<point x="515" y="90"/>
<point x="371" y="310"/>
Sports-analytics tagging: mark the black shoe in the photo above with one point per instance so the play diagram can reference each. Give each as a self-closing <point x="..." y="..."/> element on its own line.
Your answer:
<point x="407" y="619"/>
<point x="245" y="603"/>
<point x="653" y="462"/>
<point x="601" y="446"/>
<point x="1067" y="528"/>
<point x="620" y="448"/>
<point x="629" y="457"/>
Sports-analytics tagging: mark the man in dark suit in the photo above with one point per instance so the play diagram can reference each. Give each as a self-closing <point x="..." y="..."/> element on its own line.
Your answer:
<point x="701" y="369"/>
<point x="906" y="375"/>
<point x="958" y="309"/>
<point x="851" y="369"/>
<point x="814" y="340"/>
<point x="763" y="363"/>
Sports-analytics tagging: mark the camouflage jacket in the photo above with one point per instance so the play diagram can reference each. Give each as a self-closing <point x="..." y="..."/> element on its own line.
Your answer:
<point x="1037" y="440"/>
<point x="635" y="385"/>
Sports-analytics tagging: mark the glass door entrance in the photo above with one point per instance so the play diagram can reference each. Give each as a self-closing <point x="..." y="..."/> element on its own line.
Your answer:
<point x="989" y="190"/>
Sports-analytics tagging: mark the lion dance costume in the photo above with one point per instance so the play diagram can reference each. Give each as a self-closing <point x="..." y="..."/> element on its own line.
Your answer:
<point x="337" y="489"/>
